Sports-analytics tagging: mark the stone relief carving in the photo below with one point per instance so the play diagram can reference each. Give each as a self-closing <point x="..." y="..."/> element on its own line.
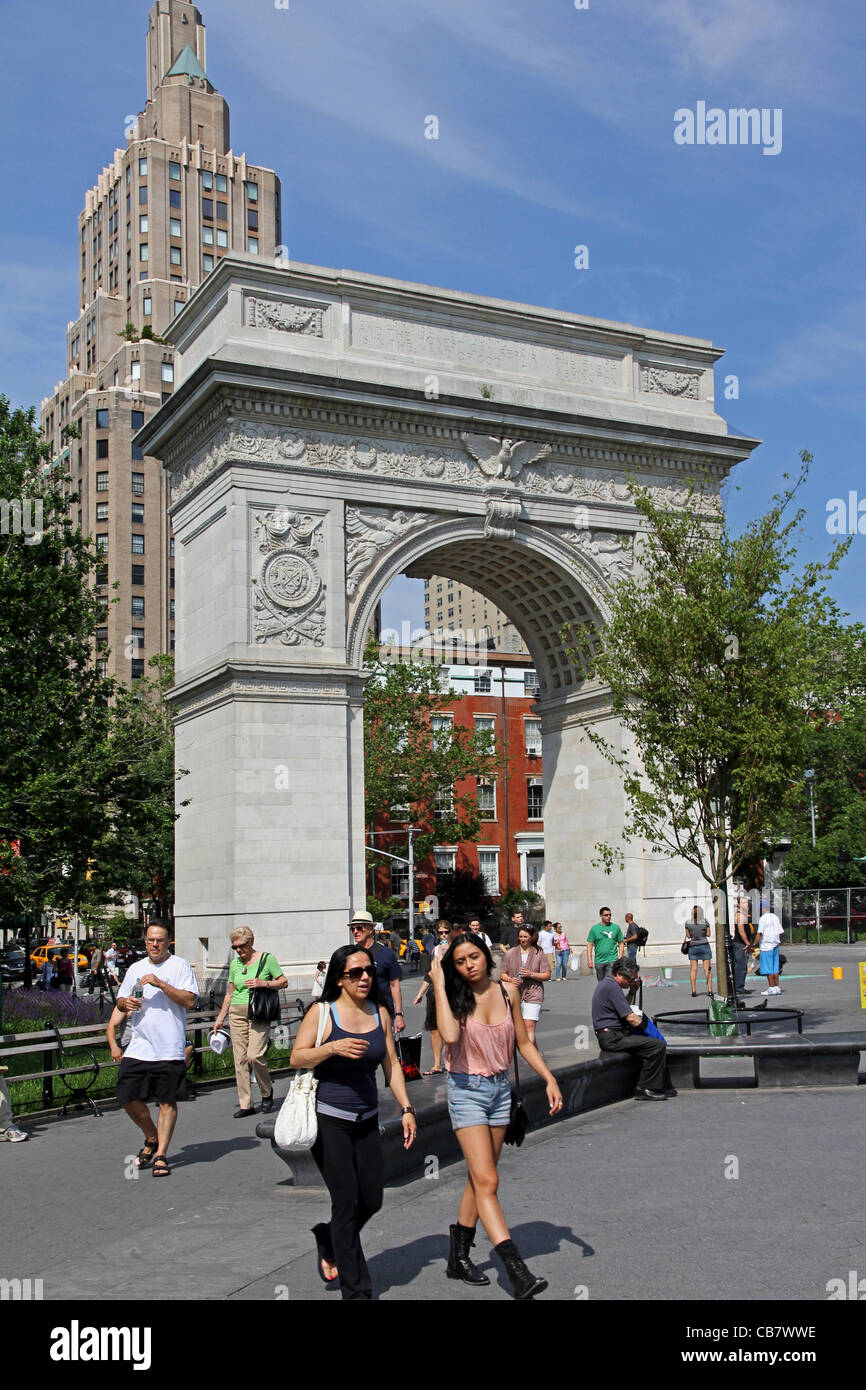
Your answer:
<point x="541" y="472"/>
<point x="288" y="601"/>
<point x="503" y="458"/>
<point x="369" y="532"/>
<point x="288" y="318"/>
<point x="670" y="383"/>
<point x="613" y="553"/>
<point x="501" y="519"/>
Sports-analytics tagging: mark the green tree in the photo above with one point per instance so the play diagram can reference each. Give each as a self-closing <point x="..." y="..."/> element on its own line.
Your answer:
<point x="55" y="765"/>
<point x="836" y="752"/>
<point x="407" y="764"/>
<point x="137" y="851"/>
<point x="714" y="656"/>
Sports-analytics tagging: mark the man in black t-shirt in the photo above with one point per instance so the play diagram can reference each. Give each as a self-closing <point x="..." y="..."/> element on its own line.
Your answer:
<point x="388" y="971"/>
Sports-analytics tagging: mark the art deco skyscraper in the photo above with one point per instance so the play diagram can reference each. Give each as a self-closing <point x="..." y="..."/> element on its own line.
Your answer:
<point x="161" y="215"/>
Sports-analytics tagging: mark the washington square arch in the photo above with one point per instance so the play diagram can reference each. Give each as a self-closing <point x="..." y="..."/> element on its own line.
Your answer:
<point x="331" y="430"/>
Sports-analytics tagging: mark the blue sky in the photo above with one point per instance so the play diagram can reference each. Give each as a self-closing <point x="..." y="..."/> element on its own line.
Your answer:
<point x="556" y="128"/>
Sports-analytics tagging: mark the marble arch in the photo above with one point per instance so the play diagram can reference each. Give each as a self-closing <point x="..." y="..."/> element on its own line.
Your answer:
<point x="330" y="430"/>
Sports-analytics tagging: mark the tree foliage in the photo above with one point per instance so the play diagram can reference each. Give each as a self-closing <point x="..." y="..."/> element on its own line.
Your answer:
<point x="406" y="764"/>
<point x="55" y="711"/>
<point x="715" y="655"/>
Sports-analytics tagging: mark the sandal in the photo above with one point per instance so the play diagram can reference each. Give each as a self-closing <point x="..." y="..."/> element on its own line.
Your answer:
<point x="163" y="1170"/>
<point x="435" y="1071"/>
<point x="146" y="1153"/>
<point x="325" y="1253"/>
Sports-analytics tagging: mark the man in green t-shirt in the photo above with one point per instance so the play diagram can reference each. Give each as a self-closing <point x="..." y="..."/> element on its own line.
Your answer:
<point x="604" y="945"/>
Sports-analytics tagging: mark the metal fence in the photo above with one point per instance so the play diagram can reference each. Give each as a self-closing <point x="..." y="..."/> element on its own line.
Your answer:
<point x="813" y="915"/>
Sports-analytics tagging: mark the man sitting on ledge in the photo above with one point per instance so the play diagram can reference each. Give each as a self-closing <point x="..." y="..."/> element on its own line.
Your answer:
<point x="611" y="1015"/>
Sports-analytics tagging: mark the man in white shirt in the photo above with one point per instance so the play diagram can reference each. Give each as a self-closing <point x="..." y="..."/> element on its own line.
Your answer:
<point x="154" y="996"/>
<point x="545" y="943"/>
<point x="769" y="935"/>
<point x="475" y="926"/>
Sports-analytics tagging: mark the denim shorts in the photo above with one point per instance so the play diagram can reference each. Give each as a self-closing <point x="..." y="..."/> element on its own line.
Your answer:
<point x="478" y="1100"/>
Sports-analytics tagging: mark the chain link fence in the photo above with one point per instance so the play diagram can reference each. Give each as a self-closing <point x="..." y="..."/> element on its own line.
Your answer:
<point x="811" y="915"/>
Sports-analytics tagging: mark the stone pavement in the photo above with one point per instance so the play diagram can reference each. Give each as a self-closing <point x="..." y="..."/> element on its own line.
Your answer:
<point x="631" y="1201"/>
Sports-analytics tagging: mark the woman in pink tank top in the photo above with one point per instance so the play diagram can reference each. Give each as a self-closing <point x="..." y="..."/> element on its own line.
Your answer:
<point x="481" y="1023"/>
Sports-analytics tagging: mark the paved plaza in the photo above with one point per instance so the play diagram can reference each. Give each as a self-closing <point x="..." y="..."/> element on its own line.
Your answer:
<point x="714" y="1195"/>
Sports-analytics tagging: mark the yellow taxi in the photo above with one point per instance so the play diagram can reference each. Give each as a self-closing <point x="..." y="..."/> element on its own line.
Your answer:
<point x="38" y="957"/>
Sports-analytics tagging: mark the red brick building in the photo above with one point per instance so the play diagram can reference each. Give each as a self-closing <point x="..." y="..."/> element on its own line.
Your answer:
<point x="498" y="695"/>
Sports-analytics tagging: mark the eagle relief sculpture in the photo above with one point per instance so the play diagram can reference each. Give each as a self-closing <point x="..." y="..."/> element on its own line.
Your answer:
<point x="503" y="458"/>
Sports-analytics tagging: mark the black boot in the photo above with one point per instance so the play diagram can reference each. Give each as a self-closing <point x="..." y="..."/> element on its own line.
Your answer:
<point x="459" y="1264"/>
<point x="524" y="1285"/>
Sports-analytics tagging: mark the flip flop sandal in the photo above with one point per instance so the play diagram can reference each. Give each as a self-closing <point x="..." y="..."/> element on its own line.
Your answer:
<point x="435" y="1071"/>
<point x="324" y="1252"/>
<point x="146" y="1154"/>
<point x="163" y="1170"/>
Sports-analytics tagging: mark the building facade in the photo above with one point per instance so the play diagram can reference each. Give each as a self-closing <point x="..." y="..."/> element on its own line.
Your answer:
<point x="158" y="220"/>
<point x="498" y="696"/>
<point x="450" y="606"/>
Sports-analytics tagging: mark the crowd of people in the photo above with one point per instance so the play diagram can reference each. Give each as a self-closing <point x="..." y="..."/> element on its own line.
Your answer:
<point x="476" y="1022"/>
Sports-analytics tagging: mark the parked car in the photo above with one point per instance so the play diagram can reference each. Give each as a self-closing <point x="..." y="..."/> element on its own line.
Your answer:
<point x="12" y="964"/>
<point x="127" y="955"/>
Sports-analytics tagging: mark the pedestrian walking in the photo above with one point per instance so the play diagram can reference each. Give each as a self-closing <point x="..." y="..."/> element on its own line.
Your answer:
<point x="154" y="996"/>
<point x="563" y="951"/>
<point x="546" y="943"/>
<point x="481" y="1023"/>
<point x="444" y="932"/>
<point x="250" y="970"/>
<point x="698" y="937"/>
<point x="9" y="1131"/>
<point x="319" y="979"/>
<point x="604" y="944"/>
<point x="632" y="936"/>
<point x="357" y="1039"/>
<point x="387" y="965"/>
<point x="64" y="970"/>
<point x="526" y="967"/>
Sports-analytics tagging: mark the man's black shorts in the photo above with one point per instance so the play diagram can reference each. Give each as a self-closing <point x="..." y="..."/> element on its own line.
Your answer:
<point x="160" y="1081"/>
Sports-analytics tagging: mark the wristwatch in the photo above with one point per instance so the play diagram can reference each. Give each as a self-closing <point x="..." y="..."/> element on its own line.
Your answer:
<point x="408" y="1110"/>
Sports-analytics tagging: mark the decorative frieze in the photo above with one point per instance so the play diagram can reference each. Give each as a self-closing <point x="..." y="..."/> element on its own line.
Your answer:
<point x="612" y="553"/>
<point x="503" y="458"/>
<point x="686" y="385"/>
<point x="285" y="316"/>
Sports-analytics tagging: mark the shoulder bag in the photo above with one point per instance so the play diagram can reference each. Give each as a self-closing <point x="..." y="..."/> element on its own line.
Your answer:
<point x="264" y="1004"/>
<point x="518" y="1123"/>
<point x="297" y="1123"/>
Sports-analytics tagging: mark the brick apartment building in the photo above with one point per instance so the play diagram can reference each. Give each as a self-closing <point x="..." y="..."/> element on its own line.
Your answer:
<point x="510" y="850"/>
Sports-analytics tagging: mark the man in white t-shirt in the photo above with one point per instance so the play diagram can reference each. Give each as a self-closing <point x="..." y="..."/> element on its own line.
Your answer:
<point x="769" y="935"/>
<point x="154" y="996"/>
<point x="545" y="944"/>
<point x="475" y="926"/>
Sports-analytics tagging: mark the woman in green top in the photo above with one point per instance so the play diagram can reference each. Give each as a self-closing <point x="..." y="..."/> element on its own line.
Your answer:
<point x="249" y="970"/>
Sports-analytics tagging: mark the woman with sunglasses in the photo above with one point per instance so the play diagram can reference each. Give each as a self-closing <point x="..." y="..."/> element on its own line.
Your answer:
<point x="481" y="1023"/>
<point x="250" y="969"/>
<point x="357" y="1040"/>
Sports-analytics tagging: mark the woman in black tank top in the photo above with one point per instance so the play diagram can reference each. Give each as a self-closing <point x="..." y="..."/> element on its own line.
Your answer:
<point x="357" y="1039"/>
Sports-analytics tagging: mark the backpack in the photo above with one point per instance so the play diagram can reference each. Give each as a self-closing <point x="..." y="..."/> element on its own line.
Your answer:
<point x="642" y="936"/>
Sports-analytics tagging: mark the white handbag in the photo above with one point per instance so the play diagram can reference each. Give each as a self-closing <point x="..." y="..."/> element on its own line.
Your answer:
<point x="297" y="1122"/>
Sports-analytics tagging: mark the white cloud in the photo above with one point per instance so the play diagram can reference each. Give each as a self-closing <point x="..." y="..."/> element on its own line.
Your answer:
<point x="828" y="354"/>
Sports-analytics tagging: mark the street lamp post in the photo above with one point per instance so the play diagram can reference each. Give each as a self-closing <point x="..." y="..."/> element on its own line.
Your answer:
<point x="809" y="775"/>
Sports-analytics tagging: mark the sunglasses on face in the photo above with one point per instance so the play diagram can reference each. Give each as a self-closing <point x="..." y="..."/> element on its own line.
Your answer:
<point x="358" y="973"/>
<point x="242" y="946"/>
